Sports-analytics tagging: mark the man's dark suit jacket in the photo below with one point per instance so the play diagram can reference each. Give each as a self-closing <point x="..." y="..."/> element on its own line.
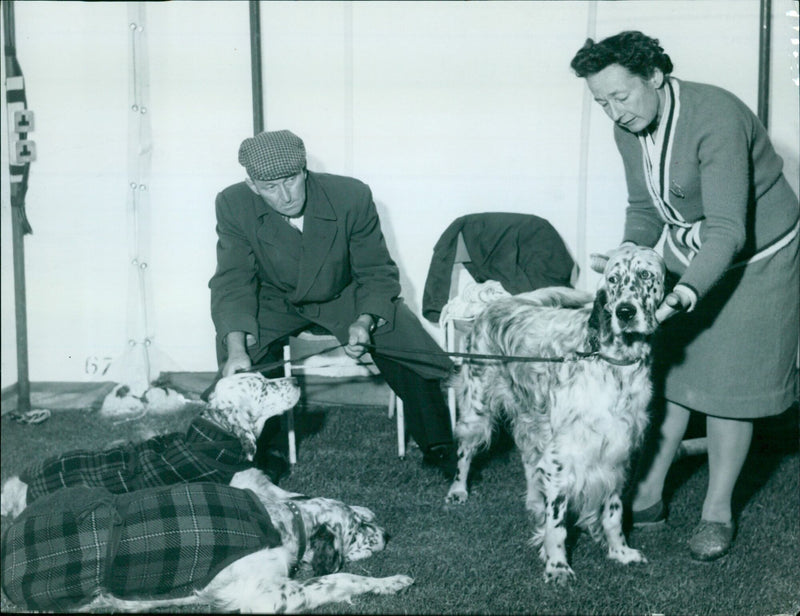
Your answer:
<point x="344" y="270"/>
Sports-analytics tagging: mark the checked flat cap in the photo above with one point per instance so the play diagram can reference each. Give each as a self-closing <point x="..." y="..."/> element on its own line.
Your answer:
<point x="273" y="155"/>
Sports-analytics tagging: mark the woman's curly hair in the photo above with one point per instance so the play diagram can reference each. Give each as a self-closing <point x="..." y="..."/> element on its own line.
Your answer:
<point x="637" y="52"/>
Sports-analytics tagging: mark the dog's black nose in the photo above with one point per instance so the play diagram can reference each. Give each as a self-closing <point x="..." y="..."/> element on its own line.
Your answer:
<point x="625" y="312"/>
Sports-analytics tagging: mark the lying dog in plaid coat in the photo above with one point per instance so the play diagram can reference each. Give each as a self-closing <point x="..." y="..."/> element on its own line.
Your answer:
<point x="233" y="547"/>
<point x="218" y="444"/>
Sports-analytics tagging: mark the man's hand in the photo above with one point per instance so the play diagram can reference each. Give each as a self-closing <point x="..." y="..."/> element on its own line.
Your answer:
<point x="238" y="359"/>
<point x="236" y="363"/>
<point x="359" y="335"/>
<point x="674" y="302"/>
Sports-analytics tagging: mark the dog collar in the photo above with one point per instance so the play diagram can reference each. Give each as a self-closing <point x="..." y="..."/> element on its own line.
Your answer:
<point x="218" y="419"/>
<point x="300" y="530"/>
<point x="611" y="360"/>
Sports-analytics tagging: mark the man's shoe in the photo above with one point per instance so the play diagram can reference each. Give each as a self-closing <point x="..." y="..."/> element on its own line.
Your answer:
<point x="444" y="457"/>
<point x="274" y="463"/>
<point x="711" y="540"/>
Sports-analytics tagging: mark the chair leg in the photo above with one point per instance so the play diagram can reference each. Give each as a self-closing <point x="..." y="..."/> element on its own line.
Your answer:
<point x="451" y="404"/>
<point x="287" y="371"/>
<point x="450" y="345"/>
<point x="397" y="402"/>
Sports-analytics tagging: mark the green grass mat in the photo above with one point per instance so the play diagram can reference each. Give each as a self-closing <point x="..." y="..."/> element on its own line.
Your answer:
<point x="474" y="558"/>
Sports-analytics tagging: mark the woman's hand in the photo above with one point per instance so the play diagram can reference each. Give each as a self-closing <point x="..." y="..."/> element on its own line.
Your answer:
<point x="680" y="300"/>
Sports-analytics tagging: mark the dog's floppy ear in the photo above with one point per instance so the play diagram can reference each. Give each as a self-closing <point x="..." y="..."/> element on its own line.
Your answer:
<point x="365" y="514"/>
<point x="599" y="321"/>
<point x="598" y="262"/>
<point x="327" y="558"/>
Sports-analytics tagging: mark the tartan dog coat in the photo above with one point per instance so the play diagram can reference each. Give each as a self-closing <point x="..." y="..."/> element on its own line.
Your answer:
<point x="156" y="543"/>
<point x="205" y="453"/>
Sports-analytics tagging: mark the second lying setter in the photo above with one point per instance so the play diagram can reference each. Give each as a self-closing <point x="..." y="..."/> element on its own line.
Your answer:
<point x="234" y="547"/>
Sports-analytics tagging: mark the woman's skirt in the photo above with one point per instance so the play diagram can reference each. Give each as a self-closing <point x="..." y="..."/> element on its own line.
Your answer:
<point x="736" y="354"/>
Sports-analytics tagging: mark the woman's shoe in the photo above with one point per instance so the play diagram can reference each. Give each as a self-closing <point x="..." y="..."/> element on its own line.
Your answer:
<point x="655" y="516"/>
<point x="711" y="540"/>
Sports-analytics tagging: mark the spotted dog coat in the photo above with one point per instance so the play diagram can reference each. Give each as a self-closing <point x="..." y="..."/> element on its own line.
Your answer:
<point x="217" y="444"/>
<point x="577" y="422"/>
<point x="233" y="547"/>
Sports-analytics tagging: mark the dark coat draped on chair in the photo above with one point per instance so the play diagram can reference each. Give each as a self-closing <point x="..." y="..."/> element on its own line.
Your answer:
<point x="521" y="251"/>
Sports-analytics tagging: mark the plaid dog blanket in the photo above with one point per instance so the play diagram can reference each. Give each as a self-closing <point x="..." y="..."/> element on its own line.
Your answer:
<point x="205" y="453"/>
<point x="157" y="543"/>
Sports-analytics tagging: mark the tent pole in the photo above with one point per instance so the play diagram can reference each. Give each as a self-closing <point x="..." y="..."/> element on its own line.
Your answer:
<point x="20" y="307"/>
<point x="763" y="61"/>
<point x="19" y="222"/>
<point x="582" y="213"/>
<point x="255" y="67"/>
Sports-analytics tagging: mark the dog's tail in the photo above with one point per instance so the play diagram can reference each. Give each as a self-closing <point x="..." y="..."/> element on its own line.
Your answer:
<point x="558" y="297"/>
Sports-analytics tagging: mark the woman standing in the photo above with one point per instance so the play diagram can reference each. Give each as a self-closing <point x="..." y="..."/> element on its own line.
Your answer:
<point x="700" y="167"/>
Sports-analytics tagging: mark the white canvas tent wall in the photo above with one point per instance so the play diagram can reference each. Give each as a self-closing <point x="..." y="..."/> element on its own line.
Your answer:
<point x="141" y="360"/>
<point x="443" y="108"/>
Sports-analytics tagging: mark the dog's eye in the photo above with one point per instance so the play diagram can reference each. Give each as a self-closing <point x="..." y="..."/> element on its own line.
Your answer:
<point x="613" y="279"/>
<point x="645" y="275"/>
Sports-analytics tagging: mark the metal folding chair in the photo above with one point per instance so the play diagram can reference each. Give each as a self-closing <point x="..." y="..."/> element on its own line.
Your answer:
<point x="326" y="340"/>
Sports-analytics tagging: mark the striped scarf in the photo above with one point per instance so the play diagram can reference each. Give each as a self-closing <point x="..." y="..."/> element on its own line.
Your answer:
<point x="683" y="237"/>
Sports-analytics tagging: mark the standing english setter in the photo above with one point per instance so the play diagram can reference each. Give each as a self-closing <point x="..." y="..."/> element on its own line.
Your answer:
<point x="575" y="422"/>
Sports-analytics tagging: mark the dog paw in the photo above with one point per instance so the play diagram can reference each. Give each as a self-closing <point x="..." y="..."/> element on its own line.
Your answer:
<point x="456" y="496"/>
<point x="13" y="497"/>
<point x="559" y="573"/>
<point x="393" y="584"/>
<point x="626" y="555"/>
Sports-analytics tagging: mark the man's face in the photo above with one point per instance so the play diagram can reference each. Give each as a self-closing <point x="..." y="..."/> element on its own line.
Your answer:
<point x="631" y="101"/>
<point x="287" y="196"/>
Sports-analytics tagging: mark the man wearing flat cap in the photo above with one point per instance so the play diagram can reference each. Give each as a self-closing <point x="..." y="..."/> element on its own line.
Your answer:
<point x="298" y="248"/>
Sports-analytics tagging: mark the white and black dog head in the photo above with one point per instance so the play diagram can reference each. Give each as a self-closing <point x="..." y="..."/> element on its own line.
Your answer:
<point x="343" y="533"/>
<point x="362" y="537"/>
<point x="242" y="403"/>
<point x="629" y="294"/>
